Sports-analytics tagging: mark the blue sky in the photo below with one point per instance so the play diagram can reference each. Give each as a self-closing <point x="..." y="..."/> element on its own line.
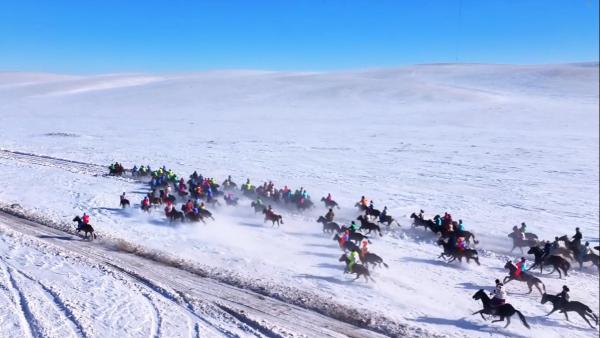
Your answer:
<point x="165" y="36"/>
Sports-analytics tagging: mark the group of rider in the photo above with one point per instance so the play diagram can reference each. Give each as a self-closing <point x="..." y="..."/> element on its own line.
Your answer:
<point x="499" y="295"/>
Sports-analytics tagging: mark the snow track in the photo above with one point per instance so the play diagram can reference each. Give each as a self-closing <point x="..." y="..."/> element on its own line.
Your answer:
<point x="59" y="163"/>
<point x="216" y="308"/>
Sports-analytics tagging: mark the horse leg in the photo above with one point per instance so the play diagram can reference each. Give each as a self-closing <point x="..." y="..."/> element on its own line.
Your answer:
<point x="553" y="310"/>
<point x="539" y="289"/>
<point x="498" y="320"/>
<point x="565" y="312"/>
<point x="584" y="318"/>
<point x="507" y="322"/>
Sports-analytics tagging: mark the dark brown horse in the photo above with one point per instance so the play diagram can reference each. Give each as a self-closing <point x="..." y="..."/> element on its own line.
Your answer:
<point x="582" y="309"/>
<point x="330" y="203"/>
<point x="273" y="217"/>
<point x="329" y="227"/>
<point x="86" y="228"/>
<point x="502" y="311"/>
<point x="557" y="262"/>
<point x="369" y="226"/>
<point x="358" y="269"/>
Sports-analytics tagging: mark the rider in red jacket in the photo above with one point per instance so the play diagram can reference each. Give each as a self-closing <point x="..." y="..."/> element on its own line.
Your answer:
<point x="86" y="218"/>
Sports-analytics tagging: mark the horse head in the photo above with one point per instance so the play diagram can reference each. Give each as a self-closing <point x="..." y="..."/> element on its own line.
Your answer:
<point x="413" y="215"/>
<point x="509" y="265"/>
<point x="76" y="219"/>
<point x="533" y="250"/>
<point x="441" y="241"/>
<point x="564" y="238"/>
<point x="321" y="219"/>
<point x="322" y="199"/>
<point x="343" y="258"/>
<point x="359" y="218"/>
<point x="479" y="294"/>
<point x="336" y="237"/>
<point x="544" y="298"/>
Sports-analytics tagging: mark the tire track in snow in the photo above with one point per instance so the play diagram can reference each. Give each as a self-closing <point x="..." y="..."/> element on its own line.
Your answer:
<point x="30" y="324"/>
<point x="58" y="302"/>
<point x="278" y="316"/>
<point x="157" y="318"/>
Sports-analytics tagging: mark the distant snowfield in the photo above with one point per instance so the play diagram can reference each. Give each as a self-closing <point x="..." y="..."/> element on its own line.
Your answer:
<point x="494" y="145"/>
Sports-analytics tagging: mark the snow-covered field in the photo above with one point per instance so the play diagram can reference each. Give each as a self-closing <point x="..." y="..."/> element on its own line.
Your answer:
<point x="494" y="145"/>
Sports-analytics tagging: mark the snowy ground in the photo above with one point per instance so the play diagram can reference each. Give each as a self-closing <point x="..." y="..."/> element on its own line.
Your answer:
<point x="494" y="145"/>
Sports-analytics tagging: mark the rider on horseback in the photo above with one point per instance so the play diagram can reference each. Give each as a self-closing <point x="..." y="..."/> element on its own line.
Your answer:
<point x="85" y="219"/>
<point x="352" y="260"/>
<point x="461" y="226"/>
<point x="329" y="198"/>
<point x="353" y="226"/>
<point x="364" y="202"/>
<point x="518" y="234"/>
<point x="421" y="217"/>
<point x="383" y="214"/>
<point x="520" y="267"/>
<point x="499" y="294"/>
<point x="563" y="296"/>
<point x="363" y="249"/>
<point x="329" y="215"/>
<point x="523" y="228"/>
<point x="577" y="238"/>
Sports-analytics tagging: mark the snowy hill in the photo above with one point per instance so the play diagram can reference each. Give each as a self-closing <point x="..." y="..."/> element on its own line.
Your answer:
<point x="495" y="145"/>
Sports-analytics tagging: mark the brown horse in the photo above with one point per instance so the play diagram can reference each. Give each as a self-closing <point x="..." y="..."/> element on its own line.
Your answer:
<point x="521" y="243"/>
<point x="523" y="277"/>
<point x="273" y="217"/>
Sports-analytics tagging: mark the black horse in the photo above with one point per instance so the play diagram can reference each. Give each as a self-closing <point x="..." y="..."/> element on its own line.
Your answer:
<point x="373" y="259"/>
<point x="502" y="311"/>
<point x="582" y="309"/>
<point x="86" y="228"/>
<point x="329" y="227"/>
<point x="358" y="237"/>
<point x="372" y="212"/>
<point x="387" y="220"/>
<point x="124" y="202"/>
<point x="427" y="224"/>
<point x="557" y="262"/>
<point x="358" y="269"/>
<point x="453" y="252"/>
<point x="329" y="203"/>
<point x="366" y="225"/>
<point x="530" y="279"/>
<point x="175" y="215"/>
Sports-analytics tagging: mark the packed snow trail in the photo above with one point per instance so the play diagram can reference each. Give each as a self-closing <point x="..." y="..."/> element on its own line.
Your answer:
<point x="264" y="315"/>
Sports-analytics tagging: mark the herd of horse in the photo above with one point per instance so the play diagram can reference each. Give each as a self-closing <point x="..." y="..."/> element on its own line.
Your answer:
<point x="558" y="259"/>
<point x="371" y="220"/>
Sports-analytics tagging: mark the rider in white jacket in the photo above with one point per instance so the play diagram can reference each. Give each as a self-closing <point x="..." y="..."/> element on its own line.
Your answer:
<point x="499" y="294"/>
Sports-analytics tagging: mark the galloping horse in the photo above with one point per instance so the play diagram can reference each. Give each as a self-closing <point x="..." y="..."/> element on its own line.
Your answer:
<point x="86" y="228"/>
<point x="503" y="311"/>
<point x="523" y="277"/>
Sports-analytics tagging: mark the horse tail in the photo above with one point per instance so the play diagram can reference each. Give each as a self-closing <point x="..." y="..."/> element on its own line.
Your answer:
<point x="522" y="319"/>
<point x="543" y="286"/>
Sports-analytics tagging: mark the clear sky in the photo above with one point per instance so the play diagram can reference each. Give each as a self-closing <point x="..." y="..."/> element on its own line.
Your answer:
<point x="95" y="36"/>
